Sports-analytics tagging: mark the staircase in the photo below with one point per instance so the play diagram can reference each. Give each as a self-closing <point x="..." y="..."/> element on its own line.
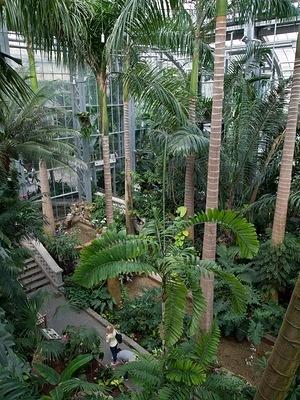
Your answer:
<point x="33" y="277"/>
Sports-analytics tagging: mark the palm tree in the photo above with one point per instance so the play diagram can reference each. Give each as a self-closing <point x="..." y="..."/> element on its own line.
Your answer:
<point x="50" y="26"/>
<point x="155" y="251"/>
<point x="27" y="132"/>
<point x="285" y="177"/>
<point x="246" y="10"/>
<point x="284" y="360"/>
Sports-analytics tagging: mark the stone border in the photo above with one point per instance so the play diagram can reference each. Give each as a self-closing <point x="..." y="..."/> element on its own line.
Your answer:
<point x="126" y="339"/>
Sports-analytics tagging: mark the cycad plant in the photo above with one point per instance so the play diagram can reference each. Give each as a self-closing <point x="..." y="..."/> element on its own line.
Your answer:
<point x="66" y="383"/>
<point x="155" y="251"/>
<point x="176" y="374"/>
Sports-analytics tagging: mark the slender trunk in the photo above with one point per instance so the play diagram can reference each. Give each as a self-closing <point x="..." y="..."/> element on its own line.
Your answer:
<point x="212" y="191"/>
<point x="104" y="138"/>
<point x="47" y="208"/>
<point x="189" y="185"/>
<point x="49" y="226"/>
<point x="285" y="177"/>
<point x="285" y="357"/>
<point x="32" y="67"/>
<point x="113" y="285"/>
<point x="128" y="161"/>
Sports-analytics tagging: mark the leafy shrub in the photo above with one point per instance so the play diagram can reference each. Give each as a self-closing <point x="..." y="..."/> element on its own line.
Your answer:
<point x="98" y="214"/>
<point x="98" y="299"/>
<point x="82" y="340"/>
<point x="260" y="317"/>
<point x="141" y="317"/>
<point x="277" y="268"/>
<point x="62" y="248"/>
<point x="218" y="386"/>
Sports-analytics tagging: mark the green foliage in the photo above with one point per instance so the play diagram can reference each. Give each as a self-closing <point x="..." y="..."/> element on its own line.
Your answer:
<point x="140" y="316"/>
<point x="65" y="384"/>
<point x="175" y="374"/>
<point x="277" y="267"/>
<point x="63" y="249"/>
<point x="99" y="217"/>
<point x="219" y="385"/>
<point x="98" y="298"/>
<point x="81" y="340"/>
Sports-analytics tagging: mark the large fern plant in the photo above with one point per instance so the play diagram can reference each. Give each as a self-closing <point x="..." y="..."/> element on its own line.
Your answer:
<point x="155" y="252"/>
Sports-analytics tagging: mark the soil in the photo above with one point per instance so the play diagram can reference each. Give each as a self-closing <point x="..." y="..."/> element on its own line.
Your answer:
<point x="241" y="358"/>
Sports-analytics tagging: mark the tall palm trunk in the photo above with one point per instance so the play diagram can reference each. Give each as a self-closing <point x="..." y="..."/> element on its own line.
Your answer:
<point x="189" y="185"/>
<point x="285" y="357"/>
<point x="113" y="285"/>
<point x="47" y="208"/>
<point x="212" y="191"/>
<point x="32" y="67"/>
<point x="128" y="160"/>
<point x="285" y="177"/>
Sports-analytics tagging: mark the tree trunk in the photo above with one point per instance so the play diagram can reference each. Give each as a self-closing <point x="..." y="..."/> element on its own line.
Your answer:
<point x="113" y="285"/>
<point x="49" y="226"/>
<point x="104" y="138"/>
<point x="285" y="357"/>
<point x="189" y="185"/>
<point x="45" y="189"/>
<point x="212" y="191"/>
<point x="32" y="67"/>
<point x="285" y="177"/>
<point x="128" y="162"/>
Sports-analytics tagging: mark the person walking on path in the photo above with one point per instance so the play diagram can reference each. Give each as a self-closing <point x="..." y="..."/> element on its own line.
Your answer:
<point x="110" y="338"/>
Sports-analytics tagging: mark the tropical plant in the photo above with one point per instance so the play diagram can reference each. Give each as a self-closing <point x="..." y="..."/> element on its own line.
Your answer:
<point x="180" y="270"/>
<point x="50" y="26"/>
<point x="277" y="268"/>
<point x="176" y="373"/>
<point x="218" y="385"/>
<point x="65" y="384"/>
<point x="285" y="177"/>
<point x="81" y="340"/>
<point x="63" y="248"/>
<point x="284" y="360"/>
<point x="140" y="317"/>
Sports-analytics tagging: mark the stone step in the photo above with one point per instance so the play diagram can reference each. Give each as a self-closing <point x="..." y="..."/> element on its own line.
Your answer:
<point x="29" y="260"/>
<point x="30" y="266"/>
<point x="37" y="284"/>
<point x="29" y="274"/>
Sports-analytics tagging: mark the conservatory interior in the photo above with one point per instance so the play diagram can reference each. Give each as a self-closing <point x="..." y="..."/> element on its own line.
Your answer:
<point x="149" y="199"/>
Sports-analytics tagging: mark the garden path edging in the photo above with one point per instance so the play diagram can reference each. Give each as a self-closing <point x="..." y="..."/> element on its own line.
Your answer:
<point x="126" y="339"/>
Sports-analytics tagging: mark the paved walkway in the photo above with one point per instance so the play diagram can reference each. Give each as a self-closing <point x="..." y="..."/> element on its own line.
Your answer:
<point x="60" y="314"/>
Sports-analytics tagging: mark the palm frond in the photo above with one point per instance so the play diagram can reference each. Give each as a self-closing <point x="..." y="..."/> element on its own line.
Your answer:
<point x="175" y="306"/>
<point x="146" y="369"/>
<point x="112" y="254"/>
<point x="244" y="231"/>
<point x="188" y="140"/>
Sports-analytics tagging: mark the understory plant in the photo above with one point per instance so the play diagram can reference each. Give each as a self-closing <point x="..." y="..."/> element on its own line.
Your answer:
<point x="99" y="218"/>
<point x="97" y="298"/>
<point x="140" y="317"/>
<point x="63" y="248"/>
